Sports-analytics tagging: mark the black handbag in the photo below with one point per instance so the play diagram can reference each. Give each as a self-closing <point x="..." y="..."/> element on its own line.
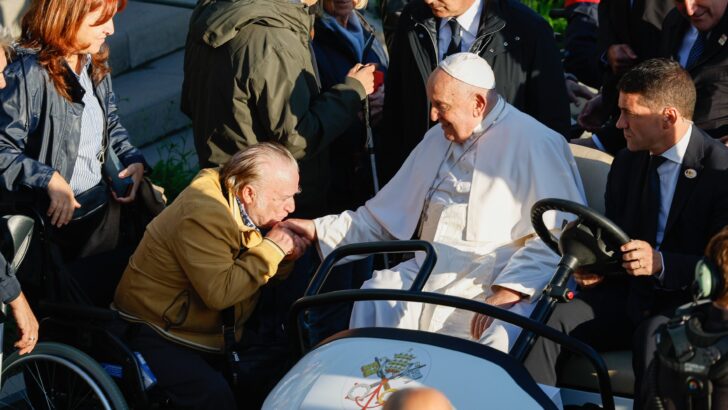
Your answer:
<point x="92" y="200"/>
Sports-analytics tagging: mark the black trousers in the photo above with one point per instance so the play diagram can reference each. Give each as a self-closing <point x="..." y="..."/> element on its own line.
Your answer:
<point x="597" y="316"/>
<point x="190" y="378"/>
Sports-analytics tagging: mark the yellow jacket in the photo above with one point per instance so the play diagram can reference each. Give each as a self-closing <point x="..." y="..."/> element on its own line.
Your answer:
<point x="196" y="259"/>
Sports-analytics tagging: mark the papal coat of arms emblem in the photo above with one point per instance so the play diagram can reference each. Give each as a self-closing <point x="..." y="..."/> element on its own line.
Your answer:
<point x="388" y="373"/>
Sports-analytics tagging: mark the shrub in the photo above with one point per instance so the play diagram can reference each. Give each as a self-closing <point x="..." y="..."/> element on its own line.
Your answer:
<point x="174" y="171"/>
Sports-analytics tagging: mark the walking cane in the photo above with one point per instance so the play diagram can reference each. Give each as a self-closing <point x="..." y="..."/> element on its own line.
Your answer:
<point x="369" y="145"/>
<point x="367" y="124"/>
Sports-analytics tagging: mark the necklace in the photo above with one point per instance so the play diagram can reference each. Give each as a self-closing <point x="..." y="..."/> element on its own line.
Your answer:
<point x="438" y="181"/>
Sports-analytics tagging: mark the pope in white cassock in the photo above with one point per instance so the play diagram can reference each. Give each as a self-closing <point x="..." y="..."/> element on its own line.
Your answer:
<point x="468" y="188"/>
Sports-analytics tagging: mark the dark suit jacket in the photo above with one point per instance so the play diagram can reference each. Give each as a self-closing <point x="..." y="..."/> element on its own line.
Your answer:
<point x="699" y="210"/>
<point x="710" y="72"/>
<point x="640" y="27"/>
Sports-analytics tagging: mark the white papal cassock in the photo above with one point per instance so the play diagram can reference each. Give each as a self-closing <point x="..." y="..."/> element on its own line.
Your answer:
<point x="477" y="198"/>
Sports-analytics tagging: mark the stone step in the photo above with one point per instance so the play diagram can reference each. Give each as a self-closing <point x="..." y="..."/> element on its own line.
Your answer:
<point x="145" y="32"/>
<point x="178" y="146"/>
<point x="149" y="99"/>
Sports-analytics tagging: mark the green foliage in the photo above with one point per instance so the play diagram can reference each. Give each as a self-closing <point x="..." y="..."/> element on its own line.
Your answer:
<point x="543" y="7"/>
<point x="174" y="171"/>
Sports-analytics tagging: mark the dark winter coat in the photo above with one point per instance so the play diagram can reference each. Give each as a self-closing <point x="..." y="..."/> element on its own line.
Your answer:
<point x="351" y="182"/>
<point x="250" y="77"/>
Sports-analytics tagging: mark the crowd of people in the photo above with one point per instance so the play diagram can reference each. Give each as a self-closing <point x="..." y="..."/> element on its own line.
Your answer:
<point x="300" y="114"/>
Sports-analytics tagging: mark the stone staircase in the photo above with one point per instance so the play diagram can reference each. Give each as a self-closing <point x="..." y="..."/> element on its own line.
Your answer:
<point x="147" y="52"/>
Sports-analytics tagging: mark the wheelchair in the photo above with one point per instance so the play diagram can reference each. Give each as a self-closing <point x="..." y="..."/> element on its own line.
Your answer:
<point x="82" y="360"/>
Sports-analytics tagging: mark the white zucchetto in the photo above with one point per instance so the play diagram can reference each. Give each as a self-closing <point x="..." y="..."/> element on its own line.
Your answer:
<point x="469" y="68"/>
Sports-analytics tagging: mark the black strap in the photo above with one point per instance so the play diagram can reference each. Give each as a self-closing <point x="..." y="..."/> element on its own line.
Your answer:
<point x="228" y="334"/>
<point x="228" y="327"/>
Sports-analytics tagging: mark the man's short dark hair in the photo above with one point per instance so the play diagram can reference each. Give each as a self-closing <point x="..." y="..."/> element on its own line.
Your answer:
<point x="661" y="82"/>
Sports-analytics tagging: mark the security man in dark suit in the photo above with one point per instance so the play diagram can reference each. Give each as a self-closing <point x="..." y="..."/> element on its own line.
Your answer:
<point x="695" y="33"/>
<point x="629" y="32"/>
<point x="668" y="191"/>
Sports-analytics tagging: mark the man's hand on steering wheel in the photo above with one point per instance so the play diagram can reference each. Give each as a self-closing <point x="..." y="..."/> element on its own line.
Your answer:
<point x="639" y="258"/>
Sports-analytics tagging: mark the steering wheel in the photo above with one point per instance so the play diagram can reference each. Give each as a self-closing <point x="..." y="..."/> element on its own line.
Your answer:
<point x="591" y="241"/>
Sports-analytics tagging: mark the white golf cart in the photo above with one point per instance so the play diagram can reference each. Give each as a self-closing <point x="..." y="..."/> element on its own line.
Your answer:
<point x="359" y="368"/>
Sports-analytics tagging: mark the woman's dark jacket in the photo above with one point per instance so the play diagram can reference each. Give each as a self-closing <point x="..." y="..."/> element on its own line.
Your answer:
<point x="351" y="182"/>
<point x="40" y="130"/>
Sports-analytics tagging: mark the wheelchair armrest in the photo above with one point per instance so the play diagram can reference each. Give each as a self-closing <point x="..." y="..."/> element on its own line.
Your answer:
<point x="77" y="311"/>
<point x="16" y="232"/>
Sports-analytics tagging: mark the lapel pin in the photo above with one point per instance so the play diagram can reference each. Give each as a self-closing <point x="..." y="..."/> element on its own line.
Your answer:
<point x="690" y="173"/>
<point x="722" y="39"/>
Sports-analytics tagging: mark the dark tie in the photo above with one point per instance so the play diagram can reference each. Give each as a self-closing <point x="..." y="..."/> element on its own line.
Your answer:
<point x="651" y="200"/>
<point x="455" y="38"/>
<point x="696" y="50"/>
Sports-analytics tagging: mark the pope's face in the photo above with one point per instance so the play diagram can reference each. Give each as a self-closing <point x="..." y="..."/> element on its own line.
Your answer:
<point x="449" y="8"/>
<point x="453" y="106"/>
<point x="641" y="124"/>
<point x="704" y="15"/>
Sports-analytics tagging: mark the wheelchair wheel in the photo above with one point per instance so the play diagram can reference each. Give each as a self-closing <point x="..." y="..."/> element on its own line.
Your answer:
<point x="57" y="376"/>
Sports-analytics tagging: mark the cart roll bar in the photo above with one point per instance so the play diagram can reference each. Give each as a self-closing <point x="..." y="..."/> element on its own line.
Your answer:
<point x="322" y="274"/>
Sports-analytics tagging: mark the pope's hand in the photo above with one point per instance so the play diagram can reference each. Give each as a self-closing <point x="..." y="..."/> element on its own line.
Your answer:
<point x="503" y="298"/>
<point x="290" y="243"/>
<point x="303" y="227"/>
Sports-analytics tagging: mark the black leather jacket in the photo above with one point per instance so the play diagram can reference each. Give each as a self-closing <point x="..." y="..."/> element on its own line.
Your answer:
<point x="40" y="130"/>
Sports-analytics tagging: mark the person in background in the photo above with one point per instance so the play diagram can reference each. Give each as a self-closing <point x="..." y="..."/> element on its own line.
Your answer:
<point x="53" y="140"/>
<point x="581" y="58"/>
<point x="342" y="39"/>
<point x="629" y="32"/>
<point x="695" y="33"/>
<point x="706" y="328"/>
<point x="10" y="292"/>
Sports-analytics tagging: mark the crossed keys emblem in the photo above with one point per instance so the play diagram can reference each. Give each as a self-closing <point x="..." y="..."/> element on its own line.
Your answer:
<point x="401" y="367"/>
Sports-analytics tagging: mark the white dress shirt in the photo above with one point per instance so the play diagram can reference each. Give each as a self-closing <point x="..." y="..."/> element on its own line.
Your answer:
<point x="469" y="21"/>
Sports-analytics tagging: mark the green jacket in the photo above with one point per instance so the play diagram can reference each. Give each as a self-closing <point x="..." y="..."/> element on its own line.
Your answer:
<point x="250" y="77"/>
